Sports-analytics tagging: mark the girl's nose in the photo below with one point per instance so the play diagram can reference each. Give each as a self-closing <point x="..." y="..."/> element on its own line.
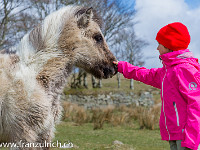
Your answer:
<point x="158" y="46"/>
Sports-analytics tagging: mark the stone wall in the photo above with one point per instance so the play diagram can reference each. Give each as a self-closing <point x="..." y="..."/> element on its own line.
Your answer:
<point x="117" y="99"/>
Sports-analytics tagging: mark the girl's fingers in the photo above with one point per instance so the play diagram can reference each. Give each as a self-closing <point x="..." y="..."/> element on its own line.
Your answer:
<point x="115" y="62"/>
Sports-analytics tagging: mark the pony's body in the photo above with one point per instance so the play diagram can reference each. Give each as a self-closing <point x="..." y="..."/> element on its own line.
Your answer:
<point x="24" y="105"/>
<point x="32" y="76"/>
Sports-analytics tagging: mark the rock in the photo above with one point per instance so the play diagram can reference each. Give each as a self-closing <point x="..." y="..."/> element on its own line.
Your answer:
<point x="116" y="142"/>
<point x="116" y="99"/>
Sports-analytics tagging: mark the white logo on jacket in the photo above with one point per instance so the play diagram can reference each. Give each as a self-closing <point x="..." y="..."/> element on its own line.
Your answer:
<point x="192" y="86"/>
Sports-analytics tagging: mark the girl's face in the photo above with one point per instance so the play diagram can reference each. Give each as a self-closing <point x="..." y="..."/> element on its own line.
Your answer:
<point x="162" y="49"/>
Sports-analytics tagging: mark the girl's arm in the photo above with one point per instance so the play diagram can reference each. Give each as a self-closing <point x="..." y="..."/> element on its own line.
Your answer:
<point x="147" y="76"/>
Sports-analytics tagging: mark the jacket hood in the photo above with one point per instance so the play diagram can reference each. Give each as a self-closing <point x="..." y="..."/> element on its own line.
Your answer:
<point x="178" y="57"/>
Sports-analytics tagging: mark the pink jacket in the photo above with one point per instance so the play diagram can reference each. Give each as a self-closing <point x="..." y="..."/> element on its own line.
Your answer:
<point x="179" y="81"/>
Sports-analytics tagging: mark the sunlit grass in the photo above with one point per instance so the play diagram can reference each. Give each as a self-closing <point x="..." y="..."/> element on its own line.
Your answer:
<point x="85" y="138"/>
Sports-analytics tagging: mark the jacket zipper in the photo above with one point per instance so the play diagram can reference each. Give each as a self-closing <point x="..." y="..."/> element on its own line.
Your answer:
<point x="177" y="116"/>
<point x="164" y="102"/>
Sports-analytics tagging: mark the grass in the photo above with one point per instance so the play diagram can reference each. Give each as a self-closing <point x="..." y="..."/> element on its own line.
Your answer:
<point x="85" y="138"/>
<point x="131" y="133"/>
<point x="147" y="117"/>
<point x="111" y="85"/>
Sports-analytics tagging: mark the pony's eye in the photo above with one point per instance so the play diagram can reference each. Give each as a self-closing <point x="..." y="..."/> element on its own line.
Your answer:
<point x="98" y="38"/>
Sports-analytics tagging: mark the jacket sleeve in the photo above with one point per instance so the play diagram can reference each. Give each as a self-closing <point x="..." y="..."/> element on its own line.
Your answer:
<point x="189" y="87"/>
<point x="147" y="76"/>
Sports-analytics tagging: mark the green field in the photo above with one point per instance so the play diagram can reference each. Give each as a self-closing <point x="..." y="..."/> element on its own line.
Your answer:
<point x="85" y="138"/>
<point x="133" y="138"/>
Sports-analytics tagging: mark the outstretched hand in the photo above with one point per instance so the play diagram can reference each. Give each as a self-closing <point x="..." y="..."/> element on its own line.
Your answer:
<point x="115" y="62"/>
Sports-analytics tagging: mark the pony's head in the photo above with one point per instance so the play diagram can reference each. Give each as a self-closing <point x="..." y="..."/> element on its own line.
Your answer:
<point x="73" y="34"/>
<point x="82" y="38"/>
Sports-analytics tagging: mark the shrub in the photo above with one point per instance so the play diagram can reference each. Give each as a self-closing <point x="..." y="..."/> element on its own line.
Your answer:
<point x="99" y="116"/>
<point x="147" y="117"/>
<point x="75" y="113"/>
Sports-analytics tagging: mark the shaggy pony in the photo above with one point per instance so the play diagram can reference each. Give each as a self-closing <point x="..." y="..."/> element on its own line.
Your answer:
<point x="34" y="73"/>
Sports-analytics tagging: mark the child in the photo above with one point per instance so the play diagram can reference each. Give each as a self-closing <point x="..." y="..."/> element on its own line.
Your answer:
<point x="179" y="81"/>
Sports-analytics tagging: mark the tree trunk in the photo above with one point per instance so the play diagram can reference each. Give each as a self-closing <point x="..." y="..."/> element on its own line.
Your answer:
<point x="94" y="84"/>
<point x="118" y="80"/>
<point x="131" y="84"/>
<point x="85" y="84"/>
<point x="73" y="80"/>
<point x="79" y="79"/>
<point x="100" y="84"/>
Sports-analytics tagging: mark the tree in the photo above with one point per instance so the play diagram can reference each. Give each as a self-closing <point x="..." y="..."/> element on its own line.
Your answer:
<point x="42" y="8"/>
<point x="11" y="14"/>
<point x="128" y="47"/>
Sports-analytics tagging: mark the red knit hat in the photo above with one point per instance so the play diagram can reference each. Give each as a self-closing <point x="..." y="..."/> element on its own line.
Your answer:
<point x="174" y="36"/>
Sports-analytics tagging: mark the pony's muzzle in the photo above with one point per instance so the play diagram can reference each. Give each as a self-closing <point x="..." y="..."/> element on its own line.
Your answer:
<point x="109" y="71"/>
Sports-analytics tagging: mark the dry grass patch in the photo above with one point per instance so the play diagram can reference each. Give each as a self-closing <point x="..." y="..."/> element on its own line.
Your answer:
<point x="147" y="117"/>
<point x="73" y="112"/>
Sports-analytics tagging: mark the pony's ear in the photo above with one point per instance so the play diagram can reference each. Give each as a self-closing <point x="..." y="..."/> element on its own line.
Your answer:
<point x="84" y="18"/>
